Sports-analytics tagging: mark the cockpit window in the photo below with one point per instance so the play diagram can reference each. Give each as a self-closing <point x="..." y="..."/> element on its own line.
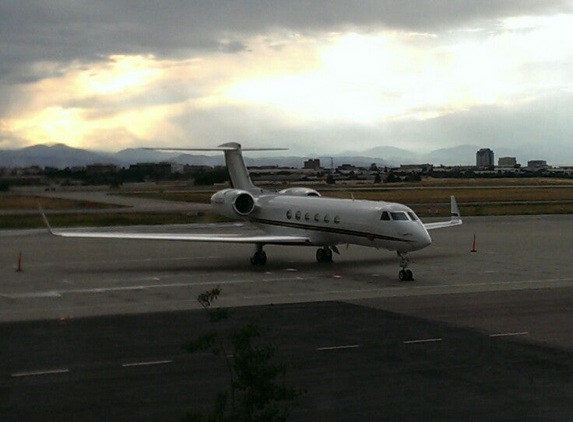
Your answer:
<point x="385" y="216"/>
<point x="413" y="216"/>
<point x="399" y="216"/>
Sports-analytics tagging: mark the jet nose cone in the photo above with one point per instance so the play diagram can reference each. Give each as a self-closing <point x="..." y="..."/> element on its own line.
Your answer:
<point x="423" y="239"/>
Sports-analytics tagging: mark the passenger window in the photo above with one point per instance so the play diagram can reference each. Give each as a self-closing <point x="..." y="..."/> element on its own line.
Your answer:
<point x="336" y="219"/>
<point x="317" y="217"/>
<point x="326" y="218"/>
<point x="385" y="216"/>
<point x="289" y="214"/>
<point x="297" y="215"/>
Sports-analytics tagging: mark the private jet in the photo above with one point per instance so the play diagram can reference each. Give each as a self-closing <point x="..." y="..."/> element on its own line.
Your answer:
<point x="300" y="216"/>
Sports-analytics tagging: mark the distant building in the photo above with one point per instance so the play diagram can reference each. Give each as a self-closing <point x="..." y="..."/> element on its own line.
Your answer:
<point x="99" y="168"/>
<point x="507" y="162"/>
<point x="484" y="158"/>
<point x="416" y="168"/>
<point x="190" y="168"/>
<point x="312" y="164"/>
<point x="152" y="169"/>
<point x="537" y="164"/>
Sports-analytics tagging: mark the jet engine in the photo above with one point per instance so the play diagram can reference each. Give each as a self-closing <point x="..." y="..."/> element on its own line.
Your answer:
<point x="233" y="202"/>
<point x="299" y="192"/>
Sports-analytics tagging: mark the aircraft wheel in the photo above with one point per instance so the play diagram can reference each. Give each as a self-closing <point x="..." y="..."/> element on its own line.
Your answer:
<point x="262" y="258"/>
<point x="406" y="275"/>
<point x="259" y="258"/>
<point x="324" y="255"/>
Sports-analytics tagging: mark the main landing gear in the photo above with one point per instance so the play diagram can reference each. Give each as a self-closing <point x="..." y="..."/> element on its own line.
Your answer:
<point x="405" y="274"/>
<point x="259" y="257"/>
<point x="324" y="254"/>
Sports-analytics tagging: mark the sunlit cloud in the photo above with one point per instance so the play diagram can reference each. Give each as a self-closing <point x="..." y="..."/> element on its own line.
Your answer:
<point x="121" y="73"/>
<point x="357" y="78"/>
<point x="376" y="78"/>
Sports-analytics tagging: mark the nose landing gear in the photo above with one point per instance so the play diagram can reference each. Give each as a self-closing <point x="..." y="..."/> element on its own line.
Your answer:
<point x="405" y="274"/>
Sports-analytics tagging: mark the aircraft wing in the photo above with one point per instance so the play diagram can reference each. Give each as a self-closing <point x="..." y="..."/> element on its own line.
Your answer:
<point x="183" y="237"/>
<point x="455" y="219"/>
<point x="266" y="239"/>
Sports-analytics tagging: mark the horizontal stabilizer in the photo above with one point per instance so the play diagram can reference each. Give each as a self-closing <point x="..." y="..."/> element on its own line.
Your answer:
<point x="236" y="167"/>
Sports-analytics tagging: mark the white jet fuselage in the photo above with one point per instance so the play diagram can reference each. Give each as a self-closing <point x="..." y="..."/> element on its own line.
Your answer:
<point x="333" y="221"/>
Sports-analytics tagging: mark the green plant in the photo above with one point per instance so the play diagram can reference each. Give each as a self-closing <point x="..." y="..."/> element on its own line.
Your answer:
<point x="256" y="391"/>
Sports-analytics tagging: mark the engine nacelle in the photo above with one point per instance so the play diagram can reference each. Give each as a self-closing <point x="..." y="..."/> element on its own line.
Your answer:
<point x="299" y="192"/>
<point x="233" y="202"/>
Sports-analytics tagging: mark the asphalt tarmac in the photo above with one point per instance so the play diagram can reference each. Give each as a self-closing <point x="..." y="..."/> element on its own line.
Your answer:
<point x="92" y="330"/>
<point x="352" y="363"/>
<point x="80" y="277"/>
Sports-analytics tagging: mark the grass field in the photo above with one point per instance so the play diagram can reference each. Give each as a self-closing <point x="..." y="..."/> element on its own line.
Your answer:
<point x="430" y="198"/>
<point x="489" y="197"/>
<point x="30" y="202"/>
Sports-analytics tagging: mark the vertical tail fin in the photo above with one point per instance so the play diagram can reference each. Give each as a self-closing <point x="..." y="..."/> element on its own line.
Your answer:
<point x="236" y="167"/>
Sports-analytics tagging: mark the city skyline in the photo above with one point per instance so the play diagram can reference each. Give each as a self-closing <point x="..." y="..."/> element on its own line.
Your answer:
<point x="310" y="76"/>
<point x="61" y="156"/>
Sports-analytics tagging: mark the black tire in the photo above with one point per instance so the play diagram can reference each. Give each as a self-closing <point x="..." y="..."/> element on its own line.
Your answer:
<point x="259" y="258"/>
<point x="262" y="258"/>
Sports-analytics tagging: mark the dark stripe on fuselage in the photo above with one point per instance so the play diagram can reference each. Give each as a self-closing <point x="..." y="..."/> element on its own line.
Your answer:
<point x="335" y="230"/>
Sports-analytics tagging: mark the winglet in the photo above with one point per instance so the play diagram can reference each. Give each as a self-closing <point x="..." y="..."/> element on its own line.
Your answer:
<point x="455" y="219"/>
<point x="46" y="222"/>
<point x="455" y="214"/>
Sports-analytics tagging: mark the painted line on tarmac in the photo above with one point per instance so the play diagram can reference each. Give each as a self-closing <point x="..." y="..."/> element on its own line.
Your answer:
<point x="412" y="288"/>
<point x="37" y="373"/>
<point x="149" y="363"/>
<point x="349" y="346"/>
<point x="124" y="261"/>
<point x="388" y="289"/>
<point x="32" y="295"/>
<point x="521" y="333"/>
<point x="426" y="340"/>
<point x="59" y="293"/>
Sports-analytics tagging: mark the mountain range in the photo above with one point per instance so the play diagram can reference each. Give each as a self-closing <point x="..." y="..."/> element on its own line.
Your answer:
<point x="62" y="156"/>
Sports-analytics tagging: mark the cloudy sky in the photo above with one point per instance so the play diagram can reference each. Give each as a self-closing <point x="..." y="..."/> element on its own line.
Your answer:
<point x="312" y="75"/>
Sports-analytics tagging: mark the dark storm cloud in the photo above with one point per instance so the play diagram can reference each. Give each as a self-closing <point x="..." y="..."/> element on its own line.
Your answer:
<point x="64" y="30"/>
